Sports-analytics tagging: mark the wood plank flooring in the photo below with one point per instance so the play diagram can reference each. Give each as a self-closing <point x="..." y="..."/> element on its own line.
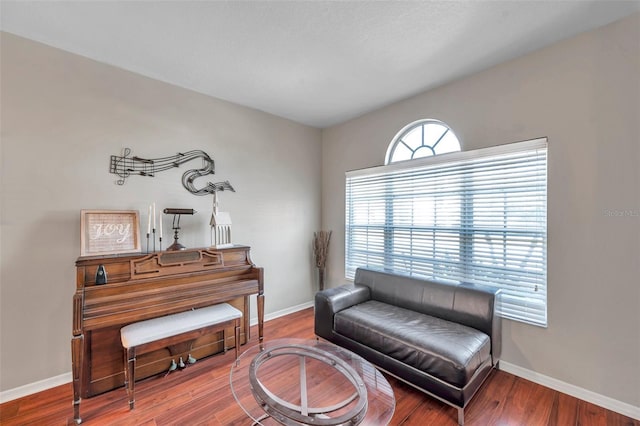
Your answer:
<point x="200" y="395"/>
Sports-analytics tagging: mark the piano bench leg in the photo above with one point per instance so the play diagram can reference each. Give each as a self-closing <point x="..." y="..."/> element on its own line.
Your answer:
<point x="236" y="332"/>
<point x="130" y="374"/>
<point x="224" y="340"/>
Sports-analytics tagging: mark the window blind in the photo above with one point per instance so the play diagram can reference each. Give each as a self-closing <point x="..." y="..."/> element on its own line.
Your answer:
<point x="474" y="216"/>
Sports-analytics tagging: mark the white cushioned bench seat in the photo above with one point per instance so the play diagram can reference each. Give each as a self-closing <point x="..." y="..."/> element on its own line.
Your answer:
<point x="162" y="332"/>
<point x="154" y="329"/>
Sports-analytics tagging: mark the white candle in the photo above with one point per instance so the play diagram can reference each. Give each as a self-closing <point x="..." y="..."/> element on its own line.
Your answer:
<point x="154" y="215"/>
<point x="160" y="227"/>
<point x="149" y="222"/>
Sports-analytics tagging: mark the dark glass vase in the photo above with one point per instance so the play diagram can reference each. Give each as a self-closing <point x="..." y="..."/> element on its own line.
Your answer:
<point x="321" y="278"/>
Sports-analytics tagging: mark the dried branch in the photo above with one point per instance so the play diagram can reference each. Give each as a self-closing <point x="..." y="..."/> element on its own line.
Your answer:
<point x="321" y="247"/>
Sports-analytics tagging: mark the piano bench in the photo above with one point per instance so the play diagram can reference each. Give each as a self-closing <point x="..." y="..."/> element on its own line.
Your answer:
<point x="157" y="333"/>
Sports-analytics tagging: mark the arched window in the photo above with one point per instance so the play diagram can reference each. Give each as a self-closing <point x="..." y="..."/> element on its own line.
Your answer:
<point x="422" y="138"/>
<point x="476" y="216"/>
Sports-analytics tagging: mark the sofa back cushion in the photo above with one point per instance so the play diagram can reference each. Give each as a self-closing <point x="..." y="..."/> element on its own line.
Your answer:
<point x="464" y="303"/>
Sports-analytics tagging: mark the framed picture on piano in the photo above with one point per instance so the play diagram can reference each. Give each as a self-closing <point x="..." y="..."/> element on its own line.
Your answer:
<point x="106" y="232"/>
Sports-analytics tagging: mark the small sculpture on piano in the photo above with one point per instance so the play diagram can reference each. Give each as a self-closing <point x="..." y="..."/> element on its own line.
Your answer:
<point x="101" y="275"/>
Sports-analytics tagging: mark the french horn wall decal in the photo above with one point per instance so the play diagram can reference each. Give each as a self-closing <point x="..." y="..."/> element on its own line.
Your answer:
<point x="126" y="165"/>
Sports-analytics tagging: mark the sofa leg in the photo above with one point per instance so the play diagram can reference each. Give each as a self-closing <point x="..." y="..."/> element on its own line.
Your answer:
<point x="461" y="416"/>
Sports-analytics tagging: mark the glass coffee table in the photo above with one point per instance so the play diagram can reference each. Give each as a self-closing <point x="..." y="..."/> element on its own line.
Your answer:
<point x="310" y="382"/>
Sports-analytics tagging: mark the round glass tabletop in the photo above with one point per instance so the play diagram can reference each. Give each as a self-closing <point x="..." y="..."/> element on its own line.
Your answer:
<point x="309" y="382"/>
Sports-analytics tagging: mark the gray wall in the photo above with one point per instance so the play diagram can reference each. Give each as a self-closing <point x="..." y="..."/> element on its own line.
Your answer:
<point x="584" y="95"/>
<point x="62" y="117"/>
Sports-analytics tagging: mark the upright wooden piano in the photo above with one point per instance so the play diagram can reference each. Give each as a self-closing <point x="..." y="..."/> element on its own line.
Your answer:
<point x="144" y="286"/>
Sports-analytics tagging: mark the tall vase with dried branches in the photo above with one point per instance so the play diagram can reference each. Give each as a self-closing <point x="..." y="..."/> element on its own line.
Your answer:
<point x="321" y="241"/>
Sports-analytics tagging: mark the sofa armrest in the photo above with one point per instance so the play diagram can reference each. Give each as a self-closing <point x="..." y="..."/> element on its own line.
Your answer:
<point x="330" y="301"/>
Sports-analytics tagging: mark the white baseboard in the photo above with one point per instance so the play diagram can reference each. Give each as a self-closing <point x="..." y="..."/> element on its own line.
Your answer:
<point x="283" y="312"/>
<point x="35" y="387"/>
<point x="65" y="378"/>
<point x="575" y="391"/>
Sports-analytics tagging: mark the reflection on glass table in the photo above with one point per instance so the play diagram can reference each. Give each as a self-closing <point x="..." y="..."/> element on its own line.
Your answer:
<point x="310" y="382"/>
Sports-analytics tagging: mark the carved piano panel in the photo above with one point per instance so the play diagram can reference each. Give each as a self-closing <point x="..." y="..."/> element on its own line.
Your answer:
<point x="140" y="287"/>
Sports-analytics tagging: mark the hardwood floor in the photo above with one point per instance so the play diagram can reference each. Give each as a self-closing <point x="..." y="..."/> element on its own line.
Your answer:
<point x="200" y="395"/>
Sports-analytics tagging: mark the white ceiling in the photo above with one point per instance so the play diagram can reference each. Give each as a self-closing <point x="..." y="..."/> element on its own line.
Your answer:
<point x="315" y="62"/>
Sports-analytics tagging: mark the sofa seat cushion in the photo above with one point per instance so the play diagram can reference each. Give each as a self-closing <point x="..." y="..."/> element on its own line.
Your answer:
<point x="449" y="351"/>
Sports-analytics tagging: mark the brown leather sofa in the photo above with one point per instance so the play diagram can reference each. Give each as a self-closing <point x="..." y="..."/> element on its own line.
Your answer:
<point x="443" y="338"/>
